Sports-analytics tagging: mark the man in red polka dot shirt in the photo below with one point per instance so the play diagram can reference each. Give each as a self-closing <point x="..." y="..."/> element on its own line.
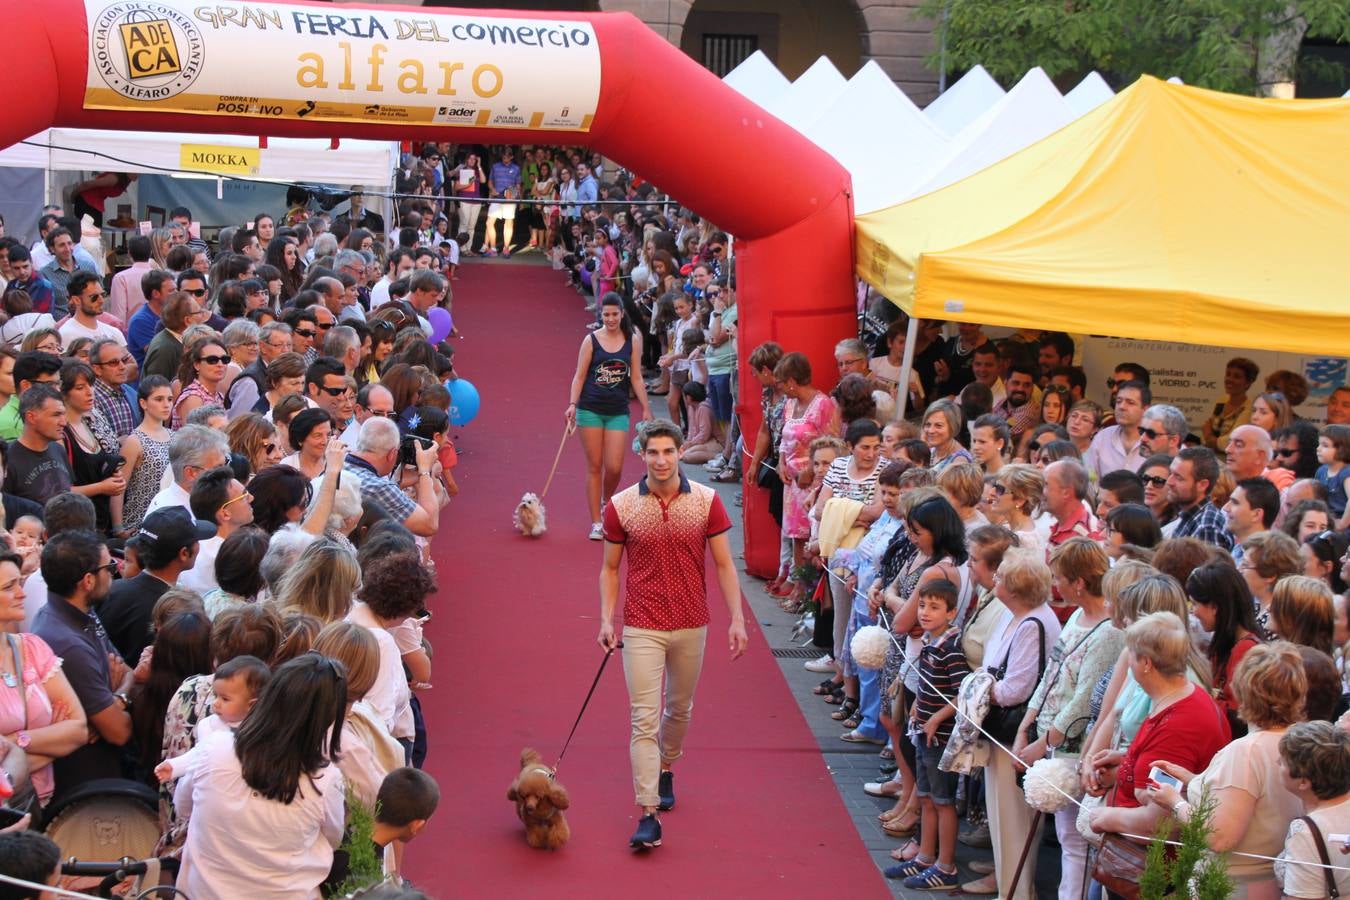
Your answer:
<point x="666" y="523"/>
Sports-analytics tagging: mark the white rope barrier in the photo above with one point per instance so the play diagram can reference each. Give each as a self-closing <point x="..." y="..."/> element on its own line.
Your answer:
<point x="34" y="886"/>
<point x="1027" y="769"/>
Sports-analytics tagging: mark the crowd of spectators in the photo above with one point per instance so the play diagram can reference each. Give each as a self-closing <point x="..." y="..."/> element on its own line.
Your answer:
<point x="221" y="469"/>
<point x="1119" y="587"/>
<point x="1129" y="589"/>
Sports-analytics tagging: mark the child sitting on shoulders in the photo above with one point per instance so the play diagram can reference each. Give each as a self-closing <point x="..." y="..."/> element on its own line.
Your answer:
<point x="237" y="684"/>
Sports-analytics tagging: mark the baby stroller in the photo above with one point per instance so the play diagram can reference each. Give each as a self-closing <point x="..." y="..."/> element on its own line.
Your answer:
<point x="107" y="830"/>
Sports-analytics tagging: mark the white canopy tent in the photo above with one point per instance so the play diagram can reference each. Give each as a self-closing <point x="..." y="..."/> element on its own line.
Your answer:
<point x="1089" y="94"/>
<point x="757" y="79"/>
<point x="880" y="136"/>
<point x="893" y="150"/>
<point x="810" y="96"/>
<point x="284" y="159"/>
<point x="964" y="102"/>
<point x="1033" y="109"/>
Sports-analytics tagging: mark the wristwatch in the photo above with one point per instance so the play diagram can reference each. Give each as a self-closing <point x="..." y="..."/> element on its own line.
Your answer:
<point x="126" y="701"/>
<point x="23" y="739"/>
<point x="1176" y="808"/>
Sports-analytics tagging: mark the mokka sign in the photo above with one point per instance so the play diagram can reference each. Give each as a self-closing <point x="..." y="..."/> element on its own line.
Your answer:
<point x="222" y="160"/>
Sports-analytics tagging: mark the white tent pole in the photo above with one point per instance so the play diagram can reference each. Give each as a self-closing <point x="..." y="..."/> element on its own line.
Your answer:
<point x="906" y="364"/>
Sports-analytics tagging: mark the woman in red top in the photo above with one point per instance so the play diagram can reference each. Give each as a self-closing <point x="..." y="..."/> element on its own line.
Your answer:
<point x="1185" y="722"/>
<point x="1223" y="603"/>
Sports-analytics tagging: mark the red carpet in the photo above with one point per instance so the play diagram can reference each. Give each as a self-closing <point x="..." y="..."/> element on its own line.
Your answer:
<point x="514" y="634"/>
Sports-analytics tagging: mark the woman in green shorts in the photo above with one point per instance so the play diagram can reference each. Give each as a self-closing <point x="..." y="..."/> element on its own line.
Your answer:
<point x="609" y="356"/>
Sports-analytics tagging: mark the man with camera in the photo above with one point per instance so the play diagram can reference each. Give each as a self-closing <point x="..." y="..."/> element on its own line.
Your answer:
<point x="379" y="450"/>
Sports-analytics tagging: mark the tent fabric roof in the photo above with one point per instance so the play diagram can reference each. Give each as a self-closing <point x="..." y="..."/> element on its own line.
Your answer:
<point x="807" y="98"/>
<point x="1168" y="213"/>
<point x="757" y="78"/>
<point x="1019" y="118"/>
<point x="285" y="159"/>
<point x="880" y="136"/>
<point x="965" y="101"/>
<point x="1089" y="94"/>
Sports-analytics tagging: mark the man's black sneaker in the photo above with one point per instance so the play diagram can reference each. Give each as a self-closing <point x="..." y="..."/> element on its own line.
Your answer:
<point x="648" y="833"/>
<point x="666" y="791"/>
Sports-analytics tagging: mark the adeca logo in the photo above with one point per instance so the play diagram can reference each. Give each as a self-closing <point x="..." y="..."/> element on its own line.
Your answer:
<point x="146" y="51"/>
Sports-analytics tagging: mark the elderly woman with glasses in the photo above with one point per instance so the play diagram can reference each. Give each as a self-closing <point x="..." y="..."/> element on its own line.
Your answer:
<point x="241" y="341"/>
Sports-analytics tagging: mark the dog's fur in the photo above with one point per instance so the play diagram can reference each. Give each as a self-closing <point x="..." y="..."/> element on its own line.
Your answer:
<point x="529" y="516"/>
<point x="540" y="801"/>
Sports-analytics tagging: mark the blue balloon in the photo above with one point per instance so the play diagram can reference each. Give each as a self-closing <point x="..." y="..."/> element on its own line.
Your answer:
<point x="463" y="401"/>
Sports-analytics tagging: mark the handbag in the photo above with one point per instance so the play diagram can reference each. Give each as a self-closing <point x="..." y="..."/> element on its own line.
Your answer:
<point x="822" y="635"/>
<point x="1069" y="745"/>
<point x="1001" y="722"/>
<point x="1119" y="865"/>
<point x="1332" y="890"/>
<point x="767" y="476"/>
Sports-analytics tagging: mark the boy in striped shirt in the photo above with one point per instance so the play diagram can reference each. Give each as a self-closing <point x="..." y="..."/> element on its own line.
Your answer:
<point x="942" y="666"/>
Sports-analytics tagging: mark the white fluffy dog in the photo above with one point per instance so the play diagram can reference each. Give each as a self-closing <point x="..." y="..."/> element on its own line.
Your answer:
<point x="529" y="516"/>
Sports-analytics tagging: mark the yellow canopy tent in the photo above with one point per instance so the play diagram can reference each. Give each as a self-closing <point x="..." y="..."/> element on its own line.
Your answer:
<point x="1169" y="213"/>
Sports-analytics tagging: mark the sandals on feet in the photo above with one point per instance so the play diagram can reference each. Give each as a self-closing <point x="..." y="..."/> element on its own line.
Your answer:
<point x="836" y="697"/>
<point x="846" y="711"/>
<point x="825" y="687"/>
<point x="897" y="830"/>
<point x="906" y="851"/>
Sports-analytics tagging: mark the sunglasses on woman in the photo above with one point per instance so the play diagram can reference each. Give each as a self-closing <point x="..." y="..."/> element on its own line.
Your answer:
<point x="214" y="360"/>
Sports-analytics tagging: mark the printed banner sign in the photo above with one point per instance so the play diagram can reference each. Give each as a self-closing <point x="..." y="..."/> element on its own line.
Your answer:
<point x="1190" y="377"/>
<point x="225" y="160"/>
<point x="400" y="67"/>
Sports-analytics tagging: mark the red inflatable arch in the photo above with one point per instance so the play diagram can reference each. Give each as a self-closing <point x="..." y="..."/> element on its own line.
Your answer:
<point x="658" y="113"/>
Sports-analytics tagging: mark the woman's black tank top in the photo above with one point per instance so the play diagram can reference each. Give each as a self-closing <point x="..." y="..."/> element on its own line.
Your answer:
<point x="607" y="379"/>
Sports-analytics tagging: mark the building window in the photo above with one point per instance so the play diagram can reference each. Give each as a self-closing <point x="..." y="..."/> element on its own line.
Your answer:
<point x="724" y="52"/>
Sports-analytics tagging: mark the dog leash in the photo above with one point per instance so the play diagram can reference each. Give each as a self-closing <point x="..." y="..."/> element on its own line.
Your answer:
<point x="567" y="432"/>
<point x="586" y="702"/>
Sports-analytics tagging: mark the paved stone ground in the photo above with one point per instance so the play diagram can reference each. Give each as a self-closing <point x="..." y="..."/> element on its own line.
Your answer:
<point x="851" y="764"/>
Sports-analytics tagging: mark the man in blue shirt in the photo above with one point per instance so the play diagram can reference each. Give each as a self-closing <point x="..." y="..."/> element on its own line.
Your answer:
<point x="145" y="324"/>
<point x="503" y="182"/>
<point x="78" y="572"/>
<point x="588" y="191"/>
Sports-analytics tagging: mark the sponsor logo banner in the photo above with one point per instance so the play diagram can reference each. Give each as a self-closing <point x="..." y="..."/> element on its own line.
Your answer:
<point x="279" y="61"/>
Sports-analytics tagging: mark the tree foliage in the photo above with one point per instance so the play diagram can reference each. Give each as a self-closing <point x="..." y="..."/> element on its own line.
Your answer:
<point x="1190" y="871"/>
<point x="1230" y="45"/>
